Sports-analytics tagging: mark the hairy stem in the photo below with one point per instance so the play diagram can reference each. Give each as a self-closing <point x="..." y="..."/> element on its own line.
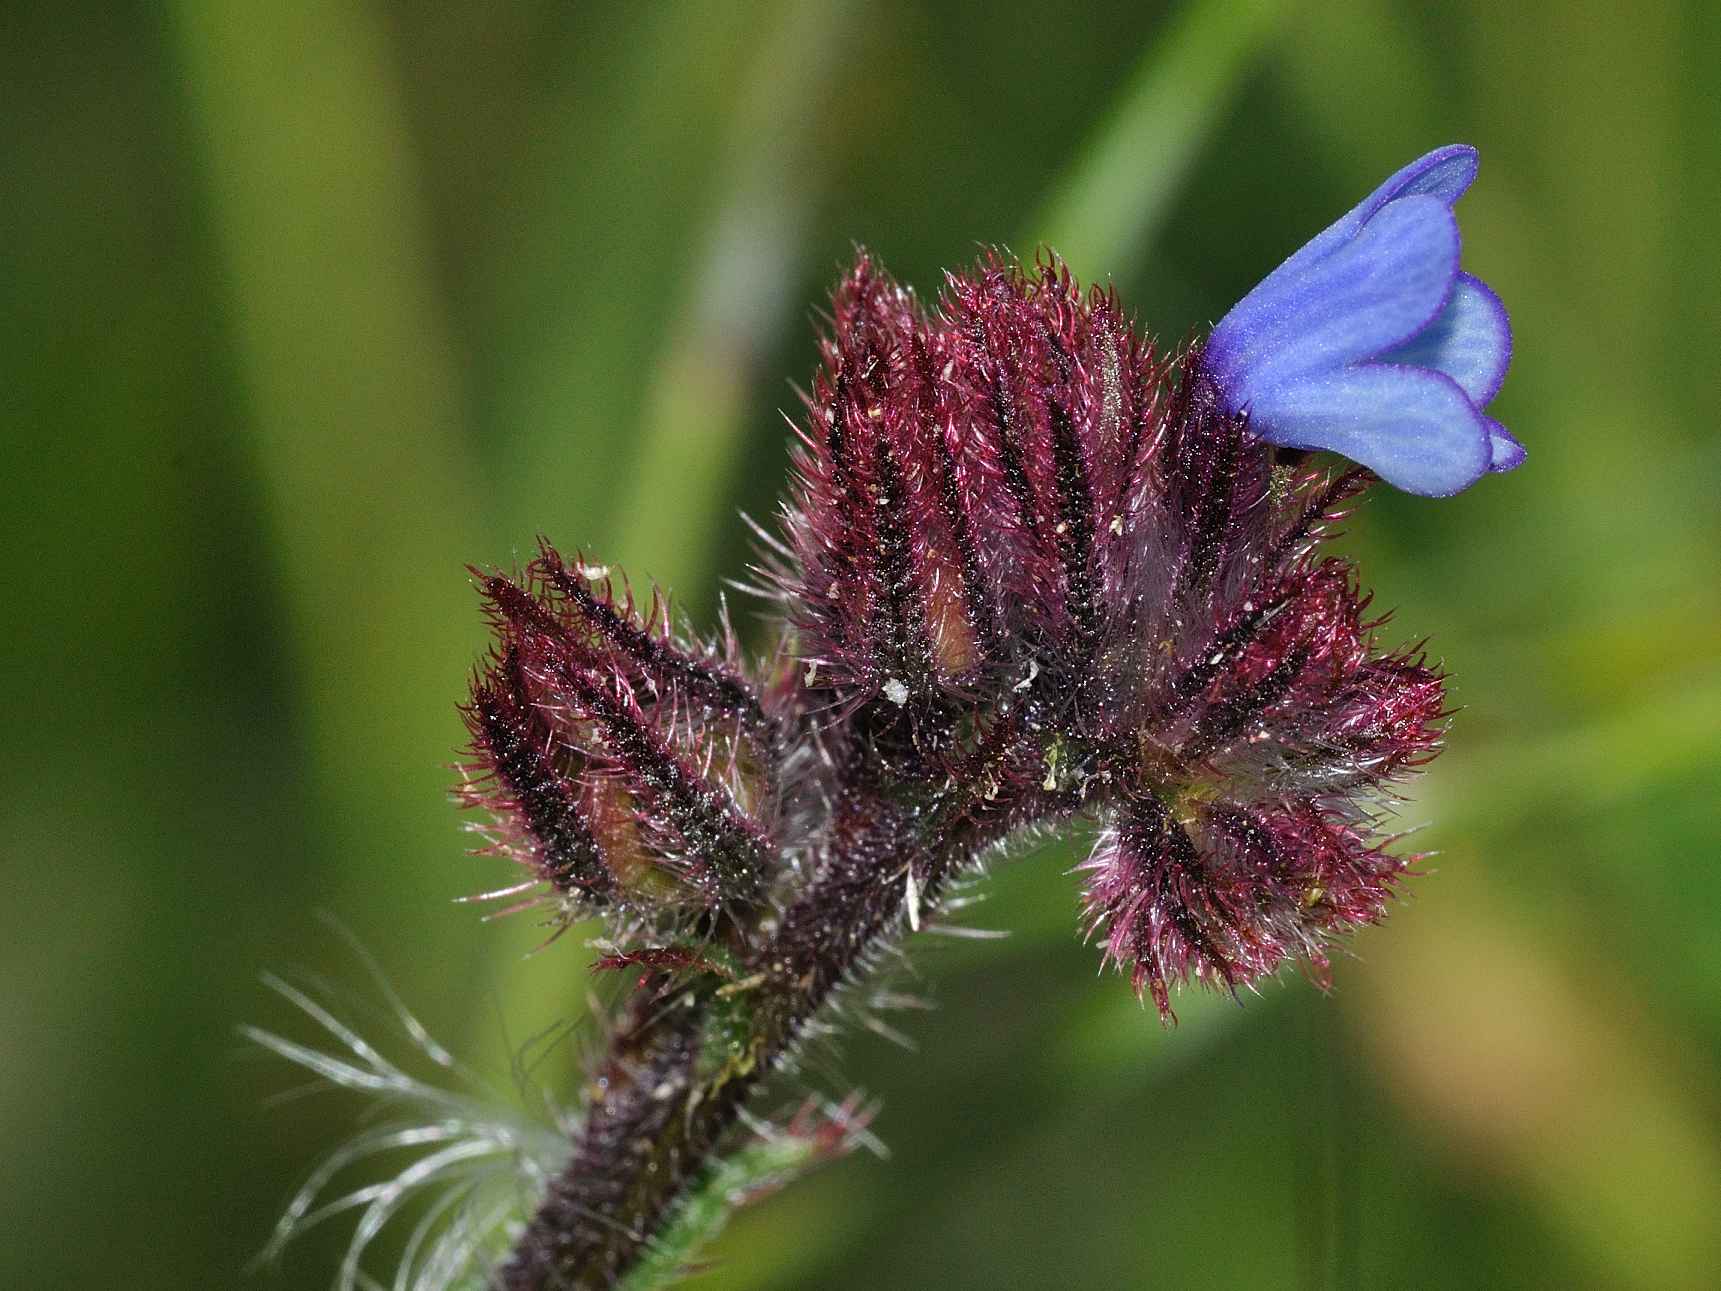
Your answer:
<point x="678" y="1071"/>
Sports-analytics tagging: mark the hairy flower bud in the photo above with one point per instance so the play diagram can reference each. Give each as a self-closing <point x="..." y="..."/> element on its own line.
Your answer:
<point x="1146" y="594"/>
<point x="626" y="767"/>
<point x="1011" y="515"/>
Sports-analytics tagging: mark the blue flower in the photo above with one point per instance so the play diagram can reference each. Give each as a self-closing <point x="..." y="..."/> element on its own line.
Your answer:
<point x="1371" y="342"/>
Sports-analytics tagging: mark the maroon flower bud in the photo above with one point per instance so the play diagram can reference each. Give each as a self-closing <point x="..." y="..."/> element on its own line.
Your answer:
<point x="626" y="767"/>
<point x="1007" y="507"/>
<point x="1026" y="550"/>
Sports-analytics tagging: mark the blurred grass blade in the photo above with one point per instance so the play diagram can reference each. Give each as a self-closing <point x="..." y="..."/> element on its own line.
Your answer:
<point x="354" y="423"/>
<point x="1532" y="1061"/>
<point x="692" y="423"/>
<point x="608" y="198"/>
<point x="1102" y="214"/>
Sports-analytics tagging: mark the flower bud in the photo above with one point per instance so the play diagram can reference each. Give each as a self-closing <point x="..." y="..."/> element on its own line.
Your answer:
<point x="626" y="767"/>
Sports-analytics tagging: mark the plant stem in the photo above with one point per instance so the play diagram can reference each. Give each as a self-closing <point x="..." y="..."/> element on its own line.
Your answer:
<point x="678" y="1071"/>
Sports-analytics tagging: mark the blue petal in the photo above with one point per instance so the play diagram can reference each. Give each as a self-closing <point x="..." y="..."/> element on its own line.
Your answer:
<point x="1444" y="173"/>
<point x="1505" y="452"/>
<point x="1471" y="341"/>
<point x="1414" y="428"/>
<point x="1379" y="290"/>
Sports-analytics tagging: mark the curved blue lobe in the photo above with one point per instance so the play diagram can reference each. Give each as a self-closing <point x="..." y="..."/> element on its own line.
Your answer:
<point x="1471" y="341"/>
<point x="1505" y="453"/>
<point x="1444" y="173"/>
<point x="1378" y="291"/>
<point x="1414" y="428"/>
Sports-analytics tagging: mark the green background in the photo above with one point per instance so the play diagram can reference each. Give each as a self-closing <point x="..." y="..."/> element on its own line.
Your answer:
<point x="306" y="305"/>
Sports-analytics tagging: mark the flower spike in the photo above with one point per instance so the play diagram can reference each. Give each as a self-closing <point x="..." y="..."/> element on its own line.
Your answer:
<point x="1030" y="568"/>
<point x="1370" y="341"/>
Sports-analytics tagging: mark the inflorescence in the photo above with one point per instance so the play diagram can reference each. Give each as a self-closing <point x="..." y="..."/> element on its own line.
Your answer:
<point x="1033" y="568"/>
